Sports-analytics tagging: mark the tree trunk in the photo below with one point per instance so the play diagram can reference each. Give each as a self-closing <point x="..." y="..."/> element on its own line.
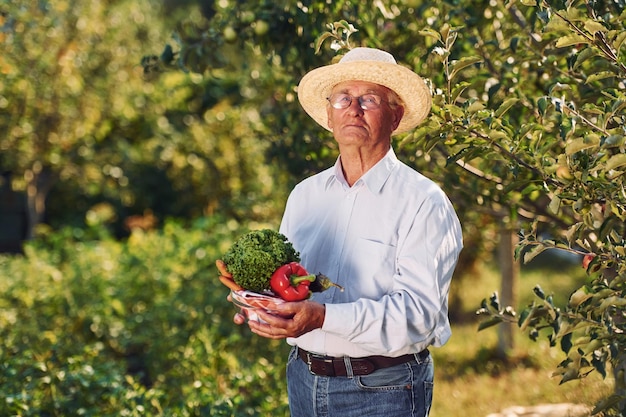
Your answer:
<point x="509" y="272"/>
<point x="39" y="182"/>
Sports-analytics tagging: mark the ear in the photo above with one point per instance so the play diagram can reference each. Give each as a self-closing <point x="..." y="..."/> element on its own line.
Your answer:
<point x="398" y="113"/>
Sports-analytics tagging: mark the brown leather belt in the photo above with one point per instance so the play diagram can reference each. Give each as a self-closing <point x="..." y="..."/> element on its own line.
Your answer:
<point x="331" y="366"/>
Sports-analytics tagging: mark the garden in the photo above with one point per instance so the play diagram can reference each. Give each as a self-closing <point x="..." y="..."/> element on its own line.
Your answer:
<point x="143" y="328"/>
<point x="141" y="137"/>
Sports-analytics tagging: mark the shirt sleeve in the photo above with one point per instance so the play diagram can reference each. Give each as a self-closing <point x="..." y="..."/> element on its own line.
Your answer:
<point x="415" y="313"/>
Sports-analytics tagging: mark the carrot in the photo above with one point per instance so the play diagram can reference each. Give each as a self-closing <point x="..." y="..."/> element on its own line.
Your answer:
<point x="230" y="283"/>
<point x="221" y="266"/>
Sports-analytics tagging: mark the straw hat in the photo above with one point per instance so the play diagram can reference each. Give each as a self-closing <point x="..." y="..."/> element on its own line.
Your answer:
<point x="372" y="65"/>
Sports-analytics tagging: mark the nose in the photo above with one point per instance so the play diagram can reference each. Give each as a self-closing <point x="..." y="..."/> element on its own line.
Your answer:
<point x="355" y="106"/>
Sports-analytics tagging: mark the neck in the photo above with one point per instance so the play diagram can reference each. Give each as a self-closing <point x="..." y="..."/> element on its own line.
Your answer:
<point x="356" y="162"/>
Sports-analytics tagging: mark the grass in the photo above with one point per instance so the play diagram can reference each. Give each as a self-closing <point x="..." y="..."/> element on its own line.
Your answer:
<point x="469" y="375"/>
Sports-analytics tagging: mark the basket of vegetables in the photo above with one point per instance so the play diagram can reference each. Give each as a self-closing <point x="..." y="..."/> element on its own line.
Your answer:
<point x="262" y="266"/>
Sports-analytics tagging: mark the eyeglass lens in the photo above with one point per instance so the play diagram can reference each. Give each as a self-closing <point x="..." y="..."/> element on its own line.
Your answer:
<point x="366" y="101"/>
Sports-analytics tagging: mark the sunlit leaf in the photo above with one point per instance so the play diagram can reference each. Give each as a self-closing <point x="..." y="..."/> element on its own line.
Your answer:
<point x="458" y="89"/>
<point x="431" y="33"/>
<point x="599" y="76"/>
<point x="555" y="204"/>
<point x="613" y="141"/>
<point x="593" y="26"/>
<point x="489" y="323"/>
<point x="531" y="254"/>
<point x="542" y="104"/>
<point x="580" y="144"/>
<point x="583" y="56"/>
<point x="619" y="39"/>
<point x="505" y="106"/>
<point x="570" y="40"/>
<point x="579" y="296"/>
<point x="615" y="161"/>
<point x="463" y="63"/>
<point x="539" y="292"/>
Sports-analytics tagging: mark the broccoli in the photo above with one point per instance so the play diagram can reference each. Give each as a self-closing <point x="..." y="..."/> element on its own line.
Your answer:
<point x="254" y="257"/>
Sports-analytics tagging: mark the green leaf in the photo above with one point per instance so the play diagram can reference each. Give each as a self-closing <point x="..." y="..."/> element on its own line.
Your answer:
<point x="614" y="162"/>
<point x="494" y="301"/>
<point x="539" y="292"/>
<point x="542" y="104"/>
<point x="569" y="375"/>
<point x="489" y="323"/>
<point x="524" y="318"/>
<point x="613" y="301"/>
<point x="475" y="106"/>
<point x="320" y="40"/>
<point x="555" y="204"/>
<point x="528" y="256"/>
<point x="570" y="40"/>
<point x="566" y="342"/>
<point x="463" y="63"/>
<point x="583" y="56"/>
<point x="594" y="27"/>
<point x="579" y="296"/>
<point x="572" y="232"/>
<point x="505" y="106"/>
<point x="599" y="365"/>
<point x="579" y="144"/>
<point x="458" y="89"/>
<point x="430" y="33"/>
<point x="455" y="111"/>
<point x="619" y="39"/>
<point x="613" y="141"/>
<point x="607" y="403"/>
<point x="599" y="76"/>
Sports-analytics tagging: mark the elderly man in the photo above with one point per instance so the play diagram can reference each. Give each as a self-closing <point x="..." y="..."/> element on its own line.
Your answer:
<point x="380" y="229"/>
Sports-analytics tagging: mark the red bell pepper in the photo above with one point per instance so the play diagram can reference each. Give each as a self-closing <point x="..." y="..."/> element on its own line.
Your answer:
<point x="291" y="282"/>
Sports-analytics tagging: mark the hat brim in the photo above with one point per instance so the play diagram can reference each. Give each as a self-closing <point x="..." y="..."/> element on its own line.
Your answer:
<point x="315" y="87"/>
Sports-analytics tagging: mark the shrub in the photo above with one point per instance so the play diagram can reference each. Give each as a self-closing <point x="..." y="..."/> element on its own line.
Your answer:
<point x="140" y="327"/>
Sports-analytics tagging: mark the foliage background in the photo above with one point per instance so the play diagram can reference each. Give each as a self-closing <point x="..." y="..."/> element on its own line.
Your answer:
<point x="122" y="116"/>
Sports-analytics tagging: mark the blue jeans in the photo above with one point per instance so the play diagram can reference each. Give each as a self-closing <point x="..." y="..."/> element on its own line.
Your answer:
<point x="404" y="390"/>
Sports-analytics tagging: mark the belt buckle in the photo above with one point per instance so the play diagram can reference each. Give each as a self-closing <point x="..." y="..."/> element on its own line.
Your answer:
<point x="328" y="368"/>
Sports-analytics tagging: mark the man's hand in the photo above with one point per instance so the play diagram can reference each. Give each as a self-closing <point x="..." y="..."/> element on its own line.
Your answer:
<point x="288" y="319"/>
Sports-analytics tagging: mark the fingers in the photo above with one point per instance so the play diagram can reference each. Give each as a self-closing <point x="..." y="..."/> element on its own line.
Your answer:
<point x="239" y="318"/>
<point x="266" y="330"/>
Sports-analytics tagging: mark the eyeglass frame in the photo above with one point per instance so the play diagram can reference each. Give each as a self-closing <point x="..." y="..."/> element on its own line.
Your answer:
<point x="359" y="99"/>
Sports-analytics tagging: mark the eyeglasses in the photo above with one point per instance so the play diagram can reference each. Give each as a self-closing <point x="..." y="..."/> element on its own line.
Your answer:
<point x="366" y="101"/>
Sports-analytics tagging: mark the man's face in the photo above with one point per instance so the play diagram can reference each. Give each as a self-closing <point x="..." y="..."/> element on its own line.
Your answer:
<point x="354" y="125"/>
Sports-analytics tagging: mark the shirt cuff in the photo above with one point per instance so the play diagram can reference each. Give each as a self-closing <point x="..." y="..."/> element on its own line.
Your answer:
<point x="340" y="327"/>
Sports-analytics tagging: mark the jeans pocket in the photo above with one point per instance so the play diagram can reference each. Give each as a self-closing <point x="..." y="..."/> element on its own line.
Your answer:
<point x="392" y="378"/>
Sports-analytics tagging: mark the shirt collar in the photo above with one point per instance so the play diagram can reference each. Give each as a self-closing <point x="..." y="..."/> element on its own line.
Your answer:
<point x="374" y="179"/>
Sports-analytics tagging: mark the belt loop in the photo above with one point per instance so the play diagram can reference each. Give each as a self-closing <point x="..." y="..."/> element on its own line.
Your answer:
<point x="420" y="357"/>
<point x="348" y="363"/>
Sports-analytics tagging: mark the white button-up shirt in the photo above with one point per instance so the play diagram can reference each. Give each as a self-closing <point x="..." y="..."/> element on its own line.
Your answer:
<point x="392" y="241"/>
